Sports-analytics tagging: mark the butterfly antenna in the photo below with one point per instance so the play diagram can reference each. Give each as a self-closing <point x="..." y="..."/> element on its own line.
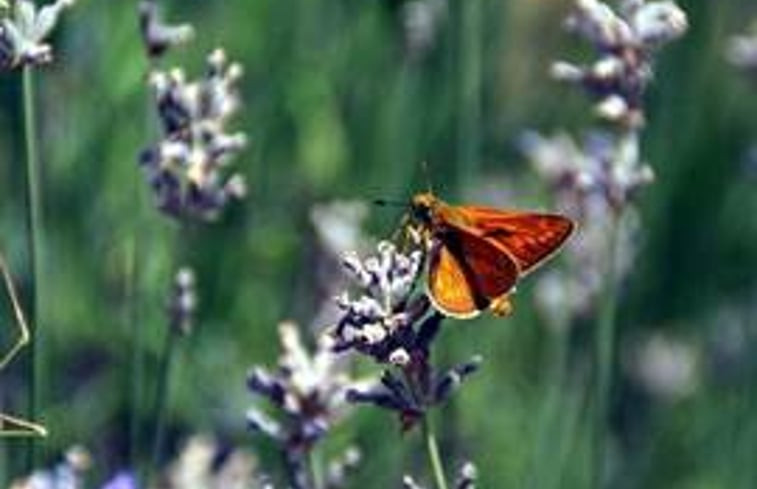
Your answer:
<point x="389" y="203"/>
<point x="427" y="176"/>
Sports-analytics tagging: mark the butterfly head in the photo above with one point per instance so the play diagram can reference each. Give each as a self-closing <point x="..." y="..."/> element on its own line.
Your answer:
<point x="423" y="207"/>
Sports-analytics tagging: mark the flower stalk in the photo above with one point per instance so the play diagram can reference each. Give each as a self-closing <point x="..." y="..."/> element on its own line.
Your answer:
<point x="34" y="229"/>
<point x="432" y="449"/>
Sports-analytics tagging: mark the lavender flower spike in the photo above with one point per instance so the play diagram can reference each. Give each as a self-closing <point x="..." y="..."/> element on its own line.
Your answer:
<point x="309" y="389"/>
<point x="158" y="36"/>
<point x="188" y="168"/>
<point x="742" y="50"/>
<point x="23" y="30"/>
<point x="378" y="322"/>
<point x="625" y="40"/>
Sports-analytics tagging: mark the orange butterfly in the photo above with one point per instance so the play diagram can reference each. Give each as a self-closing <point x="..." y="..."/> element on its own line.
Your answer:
<point x="477" y="254"/>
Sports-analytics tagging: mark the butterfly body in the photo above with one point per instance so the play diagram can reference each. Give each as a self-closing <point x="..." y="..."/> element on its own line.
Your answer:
<point x="477" y="254"/>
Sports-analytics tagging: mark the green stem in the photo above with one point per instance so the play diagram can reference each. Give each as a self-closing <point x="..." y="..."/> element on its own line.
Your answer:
<point x="432" y="448"/>
<point x="34" y="229"/>
<point x="316" y="468"/>
<point x="162" y="395"/>
<point x="605" y="342"/>
<point x="470" y="84"/>
<point x="134" y="329"/>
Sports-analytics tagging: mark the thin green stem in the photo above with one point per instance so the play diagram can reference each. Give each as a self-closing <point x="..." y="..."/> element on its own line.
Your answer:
<point x="315" y="463"/>
<point x="162" y="394"/>
<point x="34" y="229"/>
<point x="432" y="449"/>
<point x="605" y="351"/>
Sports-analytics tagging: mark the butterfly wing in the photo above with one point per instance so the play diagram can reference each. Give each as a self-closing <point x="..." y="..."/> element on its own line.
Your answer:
<point x="529" y="237"/>
<point x="466" y="273"/>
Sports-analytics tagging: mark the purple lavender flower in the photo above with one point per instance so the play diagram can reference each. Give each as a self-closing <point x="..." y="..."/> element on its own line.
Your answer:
<point x="310" y="393"/>
<point x="389" y="323"/>
<point x="625" y="40"/>
<point x="188" y="169"/>
<point x="157" y="36"/>
<point x="67" y="474"/>
<point x="123" y="480"/>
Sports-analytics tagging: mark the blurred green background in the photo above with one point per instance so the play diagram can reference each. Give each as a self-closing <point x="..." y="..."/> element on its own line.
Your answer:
<point x="339" y="104"/>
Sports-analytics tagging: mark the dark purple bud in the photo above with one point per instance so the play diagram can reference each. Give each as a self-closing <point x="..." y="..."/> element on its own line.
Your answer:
<point x="452" y="380"/>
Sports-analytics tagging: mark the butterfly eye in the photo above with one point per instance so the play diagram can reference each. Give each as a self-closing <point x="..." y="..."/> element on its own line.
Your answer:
<point x="422" y="214"/>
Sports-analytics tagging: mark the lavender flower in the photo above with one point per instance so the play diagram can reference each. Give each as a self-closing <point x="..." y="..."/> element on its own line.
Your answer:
<point x="386" y="322"/>
<point x="23" y="30"/>
<point x="123" y="480"/>
<point x="339" y="469"/>
<point x="742" y="50"/>
<point x="158" y="36"/>
<point x="310" y="392"/>
<point x="378" y="322"/>
<point x="466" y="478"/>
<point x="188" y="168"/>
<point x="595" y="183"/>
<point x="625" y="41"/>
<point x="182" y="303"/>
<point x="421" y="21"/>
<point x="197" y="466"/>
<point x="67" y="474"/>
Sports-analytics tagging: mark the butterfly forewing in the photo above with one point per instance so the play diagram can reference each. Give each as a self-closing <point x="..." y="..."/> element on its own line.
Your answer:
<point x="530" y="238"/>
<point x="466" y="273"/>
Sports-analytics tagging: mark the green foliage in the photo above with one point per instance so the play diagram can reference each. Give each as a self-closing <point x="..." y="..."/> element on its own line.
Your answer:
<point x="335" y="109"/>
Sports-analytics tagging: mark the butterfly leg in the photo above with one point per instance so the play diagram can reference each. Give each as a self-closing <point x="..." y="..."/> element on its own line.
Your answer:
<point x="501" y="306"/>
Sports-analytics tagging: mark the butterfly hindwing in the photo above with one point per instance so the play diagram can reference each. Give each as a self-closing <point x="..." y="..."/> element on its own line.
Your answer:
<point x="466" y="273"/>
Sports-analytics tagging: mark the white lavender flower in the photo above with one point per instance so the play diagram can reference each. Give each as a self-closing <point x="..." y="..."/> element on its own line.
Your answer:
<point x="309" y="389"/>
<point x="421" y="22"/>
<point x="182" y="302"/>
<point x="592" y="182"/>
<point x="378" y="319"/>
<point x="158" y="36"/>
<point x="466" y="478"/>
<point x="189" y="168"/>
<point x="742" y="50"/>
<point x="625" y="40"/>
<point x="23" y="31"/>
<point x="68" y="474"/>
<point x="602" y="166"/>
<point x="667" y="368"/>
<point x="340" y="468"/>
<point x="197" y="467"/>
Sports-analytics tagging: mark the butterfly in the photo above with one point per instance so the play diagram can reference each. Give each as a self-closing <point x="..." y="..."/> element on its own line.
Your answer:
<point x="476" y="254"/>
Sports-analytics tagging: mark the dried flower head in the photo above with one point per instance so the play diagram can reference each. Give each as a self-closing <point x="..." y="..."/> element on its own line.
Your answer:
<point x="188" y="168"/>
<point x="23" y="30"/>
<point x="625" y="40"/>
<point x="183" y="301"/>
<point x="158" y="36"/>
